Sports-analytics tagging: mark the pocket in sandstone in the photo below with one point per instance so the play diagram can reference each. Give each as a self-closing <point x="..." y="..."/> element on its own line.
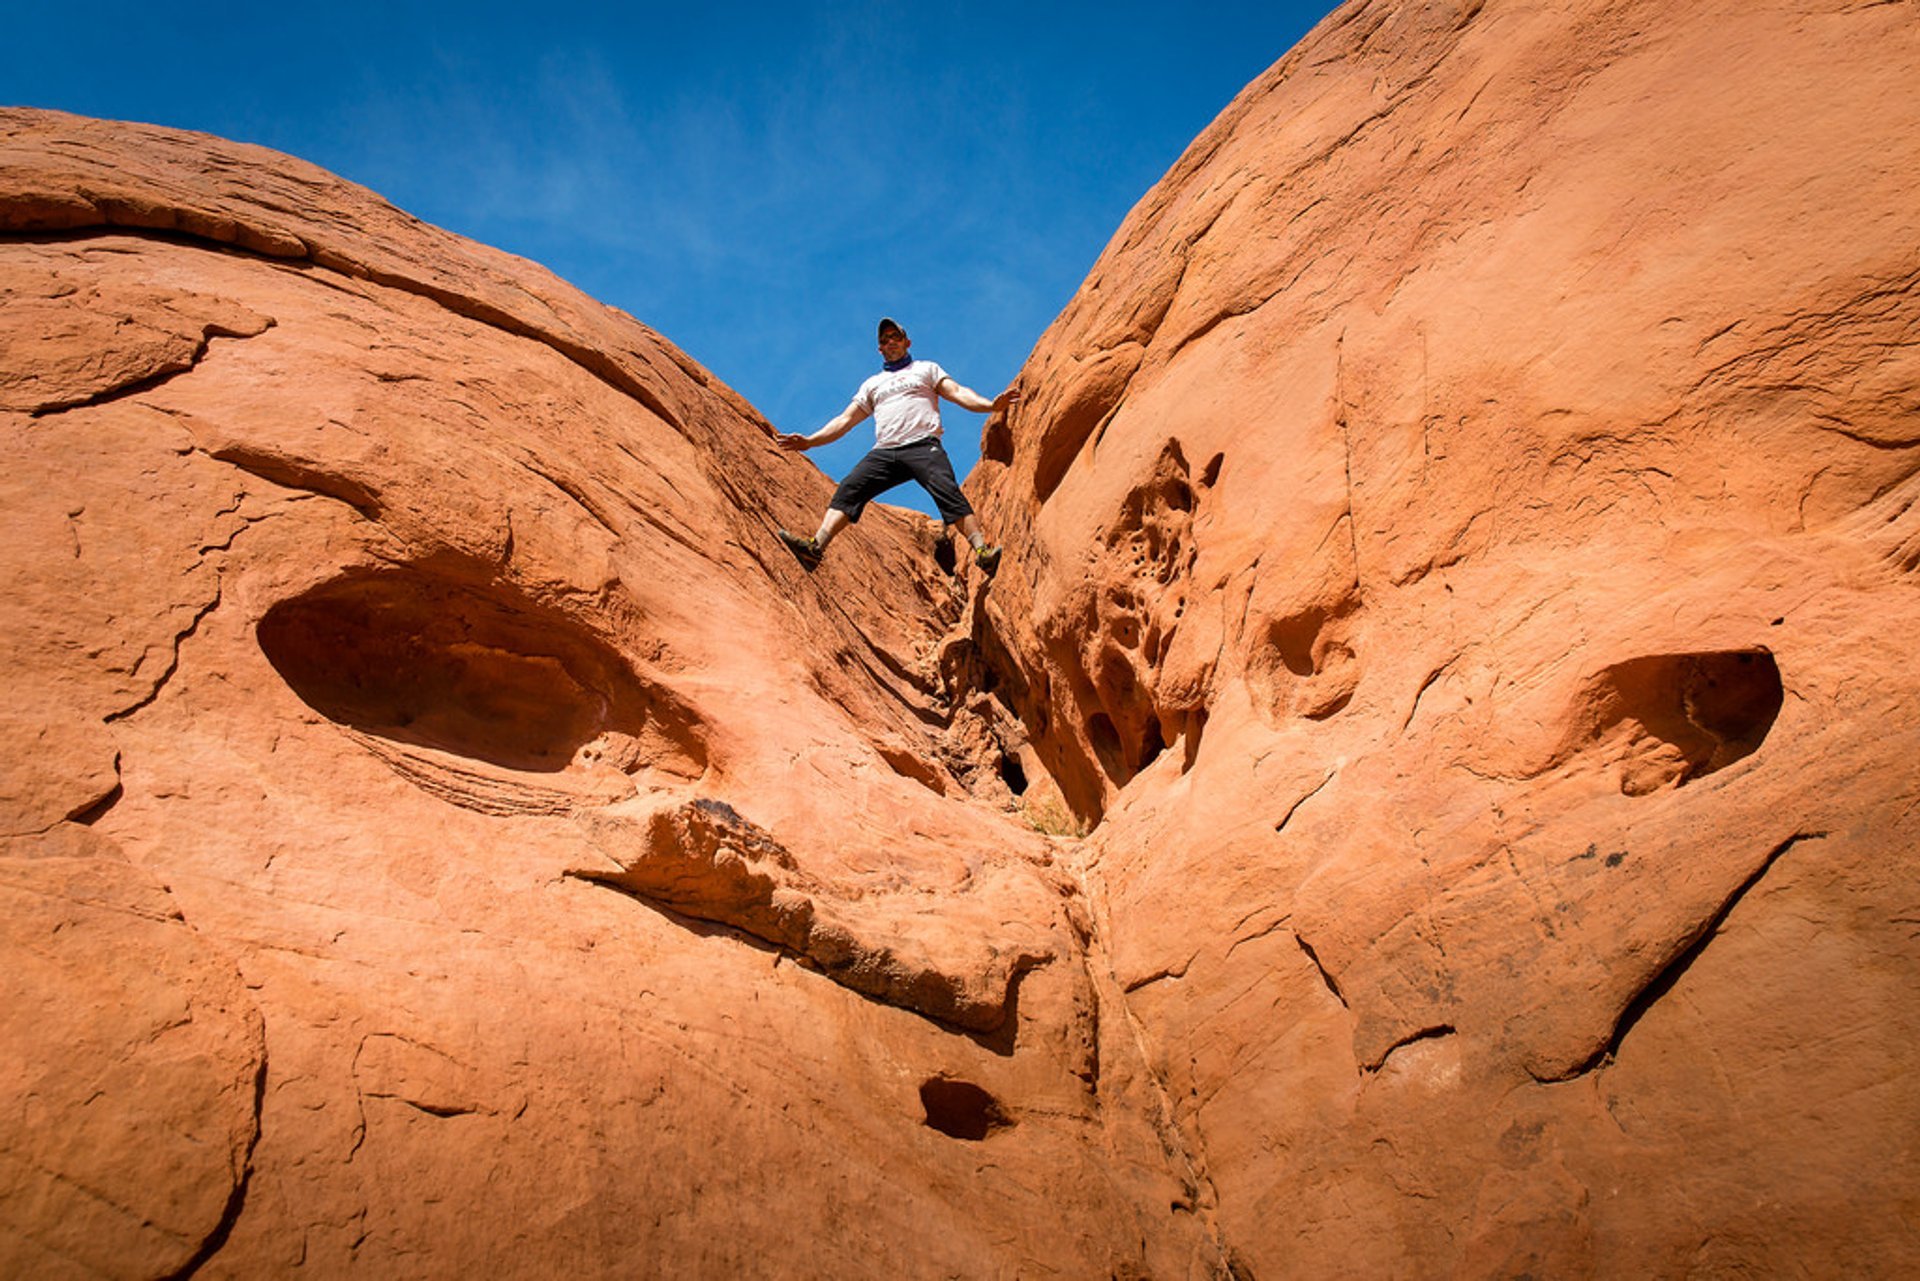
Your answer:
<point x="1668" y="719"/>
<point x="1306" y="666"/>
<point x="478" y="693"/>
<point x="1151" y="537"/>
<point x="1071" y="411"/>
<point x="1127" y="736"/>
<point x="961" y="1109"/>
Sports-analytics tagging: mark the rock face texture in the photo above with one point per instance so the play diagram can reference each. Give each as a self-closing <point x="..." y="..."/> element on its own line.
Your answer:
<point x="1463" y="545"/>
<point x="445" y="832"/>
<point x="1431" y="790"/>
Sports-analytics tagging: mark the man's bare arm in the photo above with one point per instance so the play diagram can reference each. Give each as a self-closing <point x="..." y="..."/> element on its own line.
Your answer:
<point x="849" y="417"/>
<point x="967" y="398"/>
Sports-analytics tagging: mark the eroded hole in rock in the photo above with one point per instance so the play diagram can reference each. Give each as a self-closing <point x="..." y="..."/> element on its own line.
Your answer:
<point x="1117" y="681"/>
<point x="996" y="442"/>
<point x="1152" y="743"/>
<point x="1152" y="530"/>
<point x="1175" y="494"/>
<point x="1336" y="660"/>
<point x="1673" y="718"/>
<point x="476" y="669"/>
<point x="1124" y="749"/>
<point x="1335" y="704"/>
<point x="1293" y="640"/>
<point x="1013" y="774"/>
<point x="960" y="1109"/>
<point x="92" y="813"/>
<point x="1083" y="410"/>
<point x="1105" y="741"/>
<point x="1305" y="664"/>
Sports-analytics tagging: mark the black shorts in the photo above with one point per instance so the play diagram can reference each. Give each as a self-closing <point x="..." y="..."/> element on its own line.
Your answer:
<point x="924" y="461"/>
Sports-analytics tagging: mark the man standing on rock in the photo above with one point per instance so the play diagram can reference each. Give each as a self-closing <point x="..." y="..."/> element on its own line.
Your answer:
<point x="904" y="402"/>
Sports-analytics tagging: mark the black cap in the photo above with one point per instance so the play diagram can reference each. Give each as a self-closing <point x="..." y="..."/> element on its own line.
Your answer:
<point x="888" y="325"/>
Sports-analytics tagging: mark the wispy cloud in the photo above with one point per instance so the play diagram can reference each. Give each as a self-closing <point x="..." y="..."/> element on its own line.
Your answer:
<point x="757" y="181"/>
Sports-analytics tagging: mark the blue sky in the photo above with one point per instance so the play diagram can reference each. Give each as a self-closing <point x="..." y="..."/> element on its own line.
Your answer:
<point x="760" y="182"/>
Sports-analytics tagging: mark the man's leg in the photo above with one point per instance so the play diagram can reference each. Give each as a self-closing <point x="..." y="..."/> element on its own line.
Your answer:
<point x="872" y="476"/>
<point x="810" y="550"/>
<point x="934" y="470"/>
<point x="830" y="525"/>
<point x="987" y="558"/>
<point x="878" y="472"/>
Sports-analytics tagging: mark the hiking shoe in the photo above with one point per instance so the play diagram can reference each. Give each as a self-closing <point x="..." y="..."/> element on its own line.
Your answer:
<point x="987" y="558"/>
<point x="805" y="550"/>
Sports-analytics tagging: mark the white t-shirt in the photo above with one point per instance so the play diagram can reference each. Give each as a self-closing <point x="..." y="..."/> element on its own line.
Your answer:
<point x="904" y="403"/>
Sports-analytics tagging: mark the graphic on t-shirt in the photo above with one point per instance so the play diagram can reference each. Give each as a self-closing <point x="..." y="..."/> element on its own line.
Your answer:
<point x="905" y="403"/>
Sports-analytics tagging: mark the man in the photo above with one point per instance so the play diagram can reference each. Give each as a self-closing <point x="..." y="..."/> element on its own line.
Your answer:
<point x="904" y="402"/>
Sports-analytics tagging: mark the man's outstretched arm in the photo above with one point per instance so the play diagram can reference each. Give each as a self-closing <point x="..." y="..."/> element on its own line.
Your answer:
<point x="968" y="398"/>
<point x="849" y="417"/>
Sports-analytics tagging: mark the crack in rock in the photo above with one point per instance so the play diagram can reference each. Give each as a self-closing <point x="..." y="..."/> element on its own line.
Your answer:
<point x="237" y="1200"/>
<point x="1689" y="951"/>
<point x="1326" y="975"/>
<point x="173" y="663"/>
<point x="167" y="370"/>
<point x="1434" y="1033"/>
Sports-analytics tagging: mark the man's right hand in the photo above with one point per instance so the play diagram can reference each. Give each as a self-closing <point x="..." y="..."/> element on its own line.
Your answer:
<point x="795" y="443"/>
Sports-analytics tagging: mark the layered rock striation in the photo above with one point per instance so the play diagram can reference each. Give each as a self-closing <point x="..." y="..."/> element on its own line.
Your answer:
<point x="1430" y="790"/>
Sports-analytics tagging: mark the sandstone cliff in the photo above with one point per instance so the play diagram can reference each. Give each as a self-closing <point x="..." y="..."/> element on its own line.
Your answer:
<point x="1460" y="579"/>
<point x="1464" y="536"/>
<point x="445" y="831"/>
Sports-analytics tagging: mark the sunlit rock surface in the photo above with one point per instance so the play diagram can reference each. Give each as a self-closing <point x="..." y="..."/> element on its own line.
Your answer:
<point x="1430" y="792"/>
<point x="1463" y="548"/>
<point x="446" y="832"/>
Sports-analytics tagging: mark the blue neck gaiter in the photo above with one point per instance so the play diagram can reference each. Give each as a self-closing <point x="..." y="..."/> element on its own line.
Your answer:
<point x="895" y="366"/>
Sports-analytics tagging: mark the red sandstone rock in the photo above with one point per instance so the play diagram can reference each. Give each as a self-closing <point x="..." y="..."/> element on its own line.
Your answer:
<point x="372" y="597"/>
<point x="1461" y="551"/>
<point x="131" y="1057"/>
<point x="1463" y="538"/>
